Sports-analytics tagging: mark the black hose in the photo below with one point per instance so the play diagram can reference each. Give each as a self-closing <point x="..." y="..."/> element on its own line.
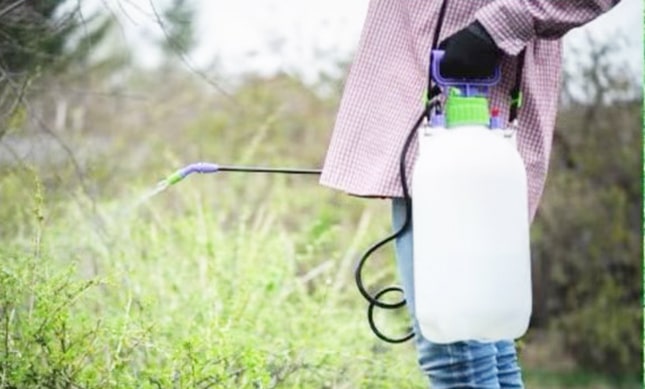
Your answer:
<point x="374" y="301"/>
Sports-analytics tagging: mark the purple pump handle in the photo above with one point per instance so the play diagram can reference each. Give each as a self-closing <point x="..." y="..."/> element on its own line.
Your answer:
<point x="469" y="87"/>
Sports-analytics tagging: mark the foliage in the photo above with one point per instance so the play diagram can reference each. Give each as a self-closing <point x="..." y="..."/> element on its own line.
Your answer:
<point x="31" y="34"/>
<point x="588" y="240"/>
<point x="587" y="235"/>
<point x="40" y="38"/>
<point x="179" y="29"/>
<point x="191" y="298"/>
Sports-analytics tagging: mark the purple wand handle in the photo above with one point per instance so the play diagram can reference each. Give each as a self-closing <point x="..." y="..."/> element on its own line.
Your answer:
<point x="199" y="167"/>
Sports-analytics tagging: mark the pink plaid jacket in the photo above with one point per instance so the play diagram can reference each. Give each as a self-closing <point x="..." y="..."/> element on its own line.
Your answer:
<point x="384" y="89"/>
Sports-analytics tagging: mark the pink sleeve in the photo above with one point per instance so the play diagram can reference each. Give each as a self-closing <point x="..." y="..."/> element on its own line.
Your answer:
<point x="513" y="23"/>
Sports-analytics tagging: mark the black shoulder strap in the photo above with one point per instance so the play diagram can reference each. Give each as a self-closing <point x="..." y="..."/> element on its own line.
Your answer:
<point x="432" y="92"/>
<point x="516" y="91"/>
<point x="437" y="30"/>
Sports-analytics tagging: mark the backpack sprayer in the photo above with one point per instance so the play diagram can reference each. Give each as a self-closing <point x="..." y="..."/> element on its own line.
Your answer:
<point x="471" y="222"/>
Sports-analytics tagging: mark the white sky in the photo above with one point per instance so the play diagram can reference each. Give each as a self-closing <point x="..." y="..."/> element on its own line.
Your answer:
<point x="297" y="35"/>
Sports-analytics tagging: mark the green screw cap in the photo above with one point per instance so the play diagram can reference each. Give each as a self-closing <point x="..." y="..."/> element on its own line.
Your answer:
<point x="466" y="110"/>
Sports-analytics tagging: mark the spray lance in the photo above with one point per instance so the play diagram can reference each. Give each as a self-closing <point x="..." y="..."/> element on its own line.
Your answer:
<point x="470" y="217"/>
<point x="207" y="167"/>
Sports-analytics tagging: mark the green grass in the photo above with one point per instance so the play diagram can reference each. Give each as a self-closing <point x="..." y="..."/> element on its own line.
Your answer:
<point x="198" y="296"/>
<point x="192" y="290"/>
<point x="540" y="378"/>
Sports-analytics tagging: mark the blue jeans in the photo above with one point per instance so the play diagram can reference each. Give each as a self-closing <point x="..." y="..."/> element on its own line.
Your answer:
<point x="466" y="364"/>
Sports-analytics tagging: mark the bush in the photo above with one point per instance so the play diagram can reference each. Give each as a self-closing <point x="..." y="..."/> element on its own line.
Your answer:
<point x="588" y="238"/>
<point x="168" y="297"/>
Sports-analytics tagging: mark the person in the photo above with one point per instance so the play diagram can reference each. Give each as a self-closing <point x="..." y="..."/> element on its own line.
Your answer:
<point x="382" y="100"/>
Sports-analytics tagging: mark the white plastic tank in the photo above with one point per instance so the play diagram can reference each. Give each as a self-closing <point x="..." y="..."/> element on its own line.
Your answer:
<point x="470" y="211"/>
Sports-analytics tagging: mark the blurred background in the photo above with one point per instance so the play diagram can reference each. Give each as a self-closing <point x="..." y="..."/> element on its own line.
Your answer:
<point x="239" y="281"/>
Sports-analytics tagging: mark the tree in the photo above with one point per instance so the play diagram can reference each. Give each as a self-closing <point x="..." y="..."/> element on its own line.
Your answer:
<point x="179" y="30"/>
<point x="587" y="235"/>
<point x="37" y="38"/>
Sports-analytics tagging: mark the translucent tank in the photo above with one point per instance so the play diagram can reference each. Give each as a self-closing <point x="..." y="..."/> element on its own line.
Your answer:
<point x="471" y="235"/>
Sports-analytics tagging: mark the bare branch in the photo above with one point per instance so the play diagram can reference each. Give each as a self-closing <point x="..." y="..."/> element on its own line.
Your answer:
<point x="185" y="61"/>
<point x="19" y="92"/>
<point x="11" y="7"/>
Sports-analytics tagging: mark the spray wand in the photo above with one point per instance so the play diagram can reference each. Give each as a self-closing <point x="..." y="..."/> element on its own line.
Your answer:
<point x="207" y="168"/>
